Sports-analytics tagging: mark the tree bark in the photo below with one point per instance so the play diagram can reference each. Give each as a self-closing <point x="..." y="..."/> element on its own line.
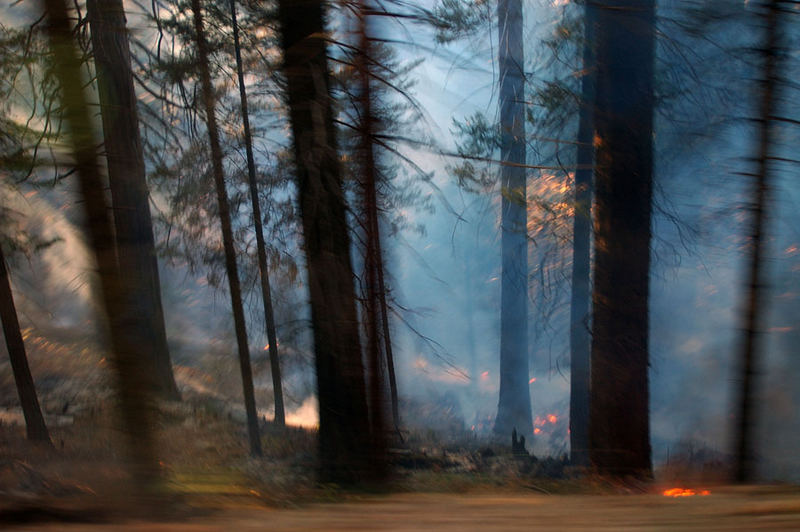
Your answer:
<point x="619" y="433"/>
<point x="752" y="318"/>
<point x="343" y="417"/>
<point x="116" y="293"/>
<point x="514" y="406"/>
<point x="34" y="421"/>
<point x="209" y="104"/>
<point x="580" y="338"/>
<point x="266" y="292"/>
<point x="375" y="303"/>
<point x="136" y="251"/>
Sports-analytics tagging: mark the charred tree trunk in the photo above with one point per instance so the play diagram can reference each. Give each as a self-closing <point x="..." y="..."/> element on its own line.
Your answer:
<point x="619" y="432"/>
<point x="580" y="338"/>
<point x="117" y="294"/>
<point x="345" y="453"/>
<point x="753" y="308"/>
<point x="136" y="252"/>
<point x="209" y="104"/>
<point x="34" y="421"/>
<point x="514" y="406"/>
<point x="266" y="293"/>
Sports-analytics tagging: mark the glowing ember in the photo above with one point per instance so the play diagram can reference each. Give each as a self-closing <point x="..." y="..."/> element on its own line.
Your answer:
<point x="552" y="418"/>
<point x="484" y="375"/>
<point x="537" y="430"/>
<point x="681" y="492"/>
<point x="532" y="380"/>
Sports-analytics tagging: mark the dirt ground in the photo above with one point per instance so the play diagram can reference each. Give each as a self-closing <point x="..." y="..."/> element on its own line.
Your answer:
<point x="754" y="508"/>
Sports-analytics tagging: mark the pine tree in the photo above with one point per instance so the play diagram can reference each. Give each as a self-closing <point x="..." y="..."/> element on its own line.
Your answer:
<point x="134" y="380"/>
<point x="34" y="421"/>
<point x="209" y="106"/>
<point x="266" y="292"/>
<point x="753" y="315"/>
<point x="129" y="195"/>
<point x="345" y="454"/>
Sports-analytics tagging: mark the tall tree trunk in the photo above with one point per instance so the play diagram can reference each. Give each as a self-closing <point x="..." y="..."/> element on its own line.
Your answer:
<point x="209" y="104"/>
<point x="752" y="318"/>
<point x="34" y="421"/>
<point x="136" y="251"/>
<point x="343" y="418"/>
<point x="117" y="294"/>
<point x="375" y="303"/>
<point x="619" y="432"/>
<point x="579" y="338"/>
<point x="266" y="293"/>
<point x="514" y="407"/>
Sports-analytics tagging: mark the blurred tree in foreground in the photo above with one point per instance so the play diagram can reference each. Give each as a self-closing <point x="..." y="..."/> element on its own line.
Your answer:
<point x="133" y="228"/>
<point x="619" y="431"/>
<point x="116" y="293"/>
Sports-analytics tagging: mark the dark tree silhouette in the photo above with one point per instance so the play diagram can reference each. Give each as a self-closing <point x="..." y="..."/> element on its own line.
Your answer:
<point x="129" y="194"/>
<point x="374" y="302"/>
<point x="116" y="293"/>
<point x="209" y="107"/>
<point x="266" y="293"/>
<point x="579" y="338"/>
<point x="753" y="309"/>
<point x="514" y="406"/>
<point x="34" y="421"/>
<point x="345" y="453"/>
<point x="619" y="432"/>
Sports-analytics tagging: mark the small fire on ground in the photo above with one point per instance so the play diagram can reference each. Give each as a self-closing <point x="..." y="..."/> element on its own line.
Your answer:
<point x="681" y="492"/>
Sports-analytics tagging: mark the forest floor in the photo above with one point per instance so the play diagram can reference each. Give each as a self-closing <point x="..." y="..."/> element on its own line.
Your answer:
<point x="450" y="482"/>
<point x="749" y="508"/>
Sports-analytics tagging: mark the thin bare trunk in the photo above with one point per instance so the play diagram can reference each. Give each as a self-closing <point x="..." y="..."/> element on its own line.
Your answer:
<point x="34" y="421"/>
<point x="209" y="104"/>
<point x="266" y="293"/>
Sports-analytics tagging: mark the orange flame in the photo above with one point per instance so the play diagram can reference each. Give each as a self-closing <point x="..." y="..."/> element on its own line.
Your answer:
<point x="552" y="418"/>
<point x="681" y="492"/>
